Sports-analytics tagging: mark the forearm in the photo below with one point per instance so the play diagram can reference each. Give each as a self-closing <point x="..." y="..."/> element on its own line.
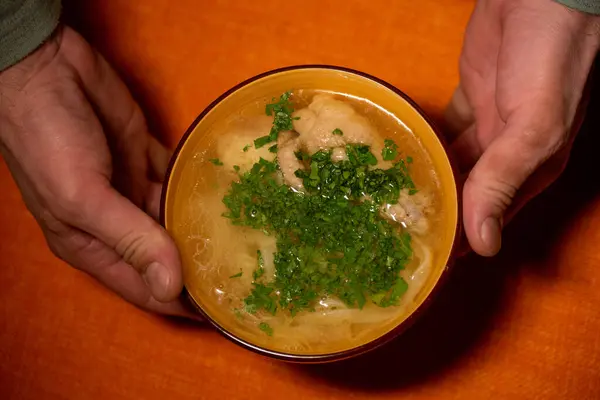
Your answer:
<point x="24" y="25"/>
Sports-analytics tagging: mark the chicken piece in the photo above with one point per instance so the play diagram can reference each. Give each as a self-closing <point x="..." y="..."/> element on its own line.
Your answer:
<point x="304" y="120"/>
<point x="288" y="144"/>
<point x="231" y="151"/>
<point x="325" y="103"/>
<point x="317" y="122"/>
<point x="410" y="211"/>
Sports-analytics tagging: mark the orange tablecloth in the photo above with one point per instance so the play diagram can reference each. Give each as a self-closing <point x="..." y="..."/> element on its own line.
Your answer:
<point x="525" y="325"/>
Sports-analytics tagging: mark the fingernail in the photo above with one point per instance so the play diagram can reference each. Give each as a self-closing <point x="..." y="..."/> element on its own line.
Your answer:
<point x="491" y="235"/>
<point x="158" y="280"/>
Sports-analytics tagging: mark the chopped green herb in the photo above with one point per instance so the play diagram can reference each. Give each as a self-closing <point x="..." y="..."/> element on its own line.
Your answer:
<point x="236" y="275"/>
<point x="246" y="148"/>
<point x="390" y="150"/>
<point x="273" y="149"/>
<point x="261" y="141"/>
<point x="238" y="313"/>
<point x="330" y="240"/>
<point x="360" y="155"/>
<point x="236" y="168"/>
<point x="281" y="111"/>
<point x="302" y="156"/>
<point x="215" y="161"/>
<point x="261" y="298"/>
<point x="266" y="328"/>
<point x="337" y="131"/>
<point x="391" y="298"/>
<point x="261" y="266"/>
<point x="409" y="159"/>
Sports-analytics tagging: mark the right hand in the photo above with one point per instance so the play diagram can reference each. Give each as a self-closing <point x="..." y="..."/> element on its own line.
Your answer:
<point x="514" y="116"/>
<point x="77" y="145"/>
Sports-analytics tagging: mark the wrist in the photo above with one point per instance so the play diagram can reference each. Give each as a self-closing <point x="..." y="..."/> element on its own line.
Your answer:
<point x="24" y="26"/>
<point x="19" y="85"/>
<point x="16" y="76"/>
<point x="552" y="19"/>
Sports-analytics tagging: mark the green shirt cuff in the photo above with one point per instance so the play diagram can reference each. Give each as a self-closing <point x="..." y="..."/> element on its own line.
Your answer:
<point x="24" y="25"/>
<point x="587" y="6"/>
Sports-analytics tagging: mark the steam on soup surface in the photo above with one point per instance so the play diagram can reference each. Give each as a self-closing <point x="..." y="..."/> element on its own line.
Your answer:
<point x="316" y="222"/>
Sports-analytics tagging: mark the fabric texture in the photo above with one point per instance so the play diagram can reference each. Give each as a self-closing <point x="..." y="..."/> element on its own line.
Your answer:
<point x="524" y="325"/>
<point x="588" y="6"/>
<point x="24" y="25"/>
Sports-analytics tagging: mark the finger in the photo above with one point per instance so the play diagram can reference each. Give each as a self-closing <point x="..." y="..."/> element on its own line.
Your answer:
<point x="539" y="181"/>
<point x="90" y="255"/>
<point x="153" y="200"/>
<point x="132" y="234"/>
<point x="103" y="87"/>
<point x="466" y="149"/>
<point x="493" y="183"/>
<point x="458" y="115"/>
<point x="122" y="120"/>
<point x="159" y="158"/>
<point x="122" y="279"/>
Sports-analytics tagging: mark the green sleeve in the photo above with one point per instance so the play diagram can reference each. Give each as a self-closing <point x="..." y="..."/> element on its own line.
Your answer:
<point x="587" y="6"/>
<point x="24" y="25"/>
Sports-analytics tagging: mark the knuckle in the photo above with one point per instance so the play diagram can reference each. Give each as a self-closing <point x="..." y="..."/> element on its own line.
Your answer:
<point x="56" y="235"/>
<point x="500" y="190"/>
<point x="68" y="204"/>
<point x="135" y="123"/>
<point x="73" y="247"/>
<point x="131" y="248"/>
<point x="549" y="139"/>
<point x="50" y="223"/>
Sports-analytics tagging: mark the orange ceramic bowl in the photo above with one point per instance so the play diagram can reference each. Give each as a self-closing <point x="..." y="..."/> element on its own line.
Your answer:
<point x="182" y="178"/>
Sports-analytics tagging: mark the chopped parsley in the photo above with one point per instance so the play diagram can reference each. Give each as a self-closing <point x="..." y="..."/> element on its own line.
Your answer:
<point x="261" y="298"/>
<point x="246" y="148"/>
<point x="331" y="240"/>
<point x="338" y="131"/>
<point x="216" y="161"/>
<point x="359" y="154"/>
<point x="390" y="150"/>
<point x="260" y="271"/>
<point x="281" y="111"/>
<point x="236" y="275"/>
<point x="273" y="149"/>
<point x="302" y="156"/>
<point x="266" y="328"/>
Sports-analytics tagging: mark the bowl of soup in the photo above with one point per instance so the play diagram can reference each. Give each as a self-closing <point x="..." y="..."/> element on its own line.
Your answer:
<point x="315" y="210"/>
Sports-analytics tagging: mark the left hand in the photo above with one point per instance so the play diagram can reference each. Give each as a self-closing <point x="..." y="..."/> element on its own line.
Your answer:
<point x="523" y="70"/>
<point x="89" y="171"/>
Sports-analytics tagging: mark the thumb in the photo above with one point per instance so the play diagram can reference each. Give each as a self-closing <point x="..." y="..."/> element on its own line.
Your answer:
<point x="495" y="179"/>
<point x="136" y="237"/>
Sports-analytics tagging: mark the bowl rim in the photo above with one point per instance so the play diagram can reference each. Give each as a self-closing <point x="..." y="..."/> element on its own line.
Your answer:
<point x="402" y="326"/>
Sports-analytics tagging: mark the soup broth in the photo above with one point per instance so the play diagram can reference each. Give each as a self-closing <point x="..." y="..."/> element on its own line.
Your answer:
<point x="236" y="260"/>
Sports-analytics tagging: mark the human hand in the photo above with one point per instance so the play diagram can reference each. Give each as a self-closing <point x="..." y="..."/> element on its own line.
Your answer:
<point x="77" y="145"/>
<point x="523" y="70"/>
